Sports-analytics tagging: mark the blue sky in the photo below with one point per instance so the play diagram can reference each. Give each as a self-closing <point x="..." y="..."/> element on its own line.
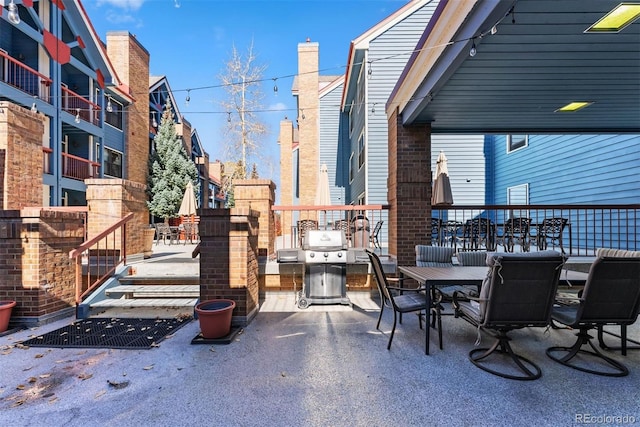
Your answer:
<point x="190" y="40"/>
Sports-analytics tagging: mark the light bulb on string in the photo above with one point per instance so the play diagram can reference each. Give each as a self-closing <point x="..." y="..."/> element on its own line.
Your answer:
<point x="34" y="108"/>
<point x="188" y="98"/>
<point x="275" y="86"/>
<point x="369" y="71"/>
<point x="229" y="116"/>
<point x="473" y="50"/>
<point x="155" y="122"/>
<point x="13" y="15"/>
<point x="77" y="119"/>
<point x="109" y="106"/>
<point x="373" y="108"/>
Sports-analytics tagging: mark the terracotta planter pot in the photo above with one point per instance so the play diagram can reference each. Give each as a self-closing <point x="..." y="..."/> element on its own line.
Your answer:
<point x="149" y="235"/>
<point x="215" y="317"/>
<point x="5" y="314"/>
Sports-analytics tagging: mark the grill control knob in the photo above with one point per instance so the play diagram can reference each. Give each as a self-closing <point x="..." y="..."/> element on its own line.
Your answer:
<point x="326" y="254"/>
<point x="312" y="254"/>
<point x="339" y="254"/>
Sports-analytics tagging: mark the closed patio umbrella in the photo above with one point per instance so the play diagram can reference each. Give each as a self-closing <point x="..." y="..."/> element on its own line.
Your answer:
<point x="323" y="195"/>
<point x="442" y="194"/>
<point x="188" y="206"/>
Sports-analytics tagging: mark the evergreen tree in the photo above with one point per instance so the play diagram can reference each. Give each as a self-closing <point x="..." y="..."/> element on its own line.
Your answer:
<point x="169" y="169"/>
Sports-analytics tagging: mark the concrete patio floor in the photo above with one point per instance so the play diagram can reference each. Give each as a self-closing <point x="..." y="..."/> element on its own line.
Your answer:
<point x="321" y="367"/>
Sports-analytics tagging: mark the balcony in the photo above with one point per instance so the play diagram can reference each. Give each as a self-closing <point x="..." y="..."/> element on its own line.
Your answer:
<point x="24" y="78"/>
<point x="80" y="107"/>
<point x="73" y="167"/>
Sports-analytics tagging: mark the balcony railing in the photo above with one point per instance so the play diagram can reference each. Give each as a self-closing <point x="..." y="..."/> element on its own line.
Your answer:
<point x="578" y="230"/>
<point x="80" y="107"/>
<point x="25" y="78"/>
<point x="78" y="168"/>
<point x="357" y="221"/>
<point x="585" y="228"/>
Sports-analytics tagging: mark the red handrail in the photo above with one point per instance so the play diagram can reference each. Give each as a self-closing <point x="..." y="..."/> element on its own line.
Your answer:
<point x="78" y="167"/>
<point x="19" y="75"/>
<point x="100" y="249"/>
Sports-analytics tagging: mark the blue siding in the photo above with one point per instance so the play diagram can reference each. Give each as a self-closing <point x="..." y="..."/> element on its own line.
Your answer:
<point x="113" y="138"/>
<point x="566" y="169"/>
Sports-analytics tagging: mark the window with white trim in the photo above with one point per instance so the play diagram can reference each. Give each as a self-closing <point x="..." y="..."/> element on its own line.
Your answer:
<point x="351" y="120"/>
<point x="361" y="152"/>
<point x="516" y="142"/>
<point x="351" y="169"/>
<point x="112" y="163"/>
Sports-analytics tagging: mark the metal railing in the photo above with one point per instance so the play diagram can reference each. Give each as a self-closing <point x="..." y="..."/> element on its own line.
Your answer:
<point x="80" y="107"/>
<point x="587" y="227"/>
<point x="78" y="167"/>
<point x="101" y="255"/>
<point x="357" y="221"/>
<point x="25" y="78"/>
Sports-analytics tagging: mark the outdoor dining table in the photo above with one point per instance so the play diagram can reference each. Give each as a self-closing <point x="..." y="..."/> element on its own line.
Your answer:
<point x="432" y="277"/>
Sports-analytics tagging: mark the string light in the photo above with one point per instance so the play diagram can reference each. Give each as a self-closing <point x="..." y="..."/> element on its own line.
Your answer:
<point x="34" y="108"/>
<point x="77" y="119"/>
<point x="13" y="15"/>
<point x="373" y="108"/>
<point x="473" y="50"/>
<point x="188" y="98"/>
<point x="154" y="123"/>
<point x="229" y="116"/>
<point x="275" y="85"/>
<point x="109" y="106"/>
<point x="369" y="71"/>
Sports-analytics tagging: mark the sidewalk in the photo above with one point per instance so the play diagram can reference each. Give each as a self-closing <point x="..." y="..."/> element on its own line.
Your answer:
<point x="304" y="368"/>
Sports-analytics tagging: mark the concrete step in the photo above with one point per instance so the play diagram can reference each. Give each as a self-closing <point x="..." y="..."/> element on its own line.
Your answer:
<point x="145" y="302"/>
<point x="159" y="280"/>
<point x="153" y="291"/>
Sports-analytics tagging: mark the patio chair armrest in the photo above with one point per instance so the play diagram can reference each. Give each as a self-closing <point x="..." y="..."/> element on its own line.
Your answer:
<point x="463" y="296"/>
<point x="396" y="288"/>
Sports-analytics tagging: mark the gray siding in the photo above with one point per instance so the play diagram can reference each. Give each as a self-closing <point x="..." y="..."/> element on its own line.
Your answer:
<point x="388" y="54"/>
<point x="329" y="142"/>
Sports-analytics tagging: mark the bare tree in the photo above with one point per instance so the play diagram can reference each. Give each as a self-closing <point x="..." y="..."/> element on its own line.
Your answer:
<point x="242" y="81"/>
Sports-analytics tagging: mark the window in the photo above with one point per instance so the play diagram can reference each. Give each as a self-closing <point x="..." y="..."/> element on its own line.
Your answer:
<point x="361" y="153"/>
<point x="351" y="168"/>
<point x="515" y="142"/>
<point x="113" y="163"/>
<point x="518" y="195"/>
<point x="360" y="94"/>
<point x="114" y="118"/>
<point x="351" y="120"/>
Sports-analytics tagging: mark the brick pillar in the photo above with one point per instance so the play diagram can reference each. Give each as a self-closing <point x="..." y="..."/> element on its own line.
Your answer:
<point x="110" y="200"/>
<point x="20" y="151"/>
<point x="35" y="268"/>
<point x="131" y="61"/>
<point x="259" y="195"/>
<point x="285" y="139"/>
<point x="409" y="188"/>
<point x="229" y="259"/>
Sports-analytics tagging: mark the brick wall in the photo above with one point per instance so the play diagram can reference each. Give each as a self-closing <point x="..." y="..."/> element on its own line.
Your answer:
<point x="259" y="195"/>
<point x="131" y="61"/>
<point x="110" y="200"/>
<point x="308" y="132"/>
<point x="229" y="259"/>
<point x="35" y="266"/>
<point x="20" y="150"/>
<point x="409" y="186"/>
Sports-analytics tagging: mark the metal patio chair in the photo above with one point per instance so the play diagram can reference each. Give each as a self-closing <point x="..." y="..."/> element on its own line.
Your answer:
<point x="399" y="299"/>
<point x="611" y="296"/>
<point x="374" y="235"/>
<point x="518" y="292"/>
<point x="515" y="230"/>
<point x="550" y="232"/>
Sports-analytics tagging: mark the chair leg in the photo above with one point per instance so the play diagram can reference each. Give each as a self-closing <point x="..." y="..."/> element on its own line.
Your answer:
<point x="530" y="370"/>
<point x="623" y="340"/>
<point x="619" y="370"/>
<point x="380" y="315"/>
<point x="393" y="330"/>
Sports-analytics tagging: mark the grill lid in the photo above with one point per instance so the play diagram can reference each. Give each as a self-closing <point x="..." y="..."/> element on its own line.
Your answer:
<point x="324" y="240"/>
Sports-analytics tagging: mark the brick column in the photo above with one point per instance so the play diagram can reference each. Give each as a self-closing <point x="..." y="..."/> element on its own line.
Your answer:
<point x="35" y="268"/>
<point x="20" y="151"/>
<point x="110" y="200"/>
<point x="409" y="185"/>
<point x="259" y="195"/>
<point x="308" y="132"/>
<point x="229" y="259"/>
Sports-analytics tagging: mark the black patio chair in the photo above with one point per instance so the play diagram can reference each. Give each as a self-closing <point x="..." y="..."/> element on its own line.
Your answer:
<point x="399" y="299"/>
<point x="478" y="233"/>
<point x="164" y="231"/>
<point x="514" y="230"/>
<point x="519" y="292"/>
<point x="611" y="296"/>
<point x="374" y="235"/>
<point x="437" y="237"/>
<point x="550" y="231"/>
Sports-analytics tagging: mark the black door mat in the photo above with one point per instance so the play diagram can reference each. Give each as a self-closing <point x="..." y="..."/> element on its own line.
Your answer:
<point x="109" y="333"/>
<point x="199" y="339"/>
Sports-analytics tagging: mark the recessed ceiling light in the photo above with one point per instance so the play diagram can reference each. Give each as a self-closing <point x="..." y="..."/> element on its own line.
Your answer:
<point x="614" y="21"/>
<point x="573" y="106"/>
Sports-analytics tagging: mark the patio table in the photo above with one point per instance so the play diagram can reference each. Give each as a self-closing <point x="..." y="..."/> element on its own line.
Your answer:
<point x="432" y="277"/>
